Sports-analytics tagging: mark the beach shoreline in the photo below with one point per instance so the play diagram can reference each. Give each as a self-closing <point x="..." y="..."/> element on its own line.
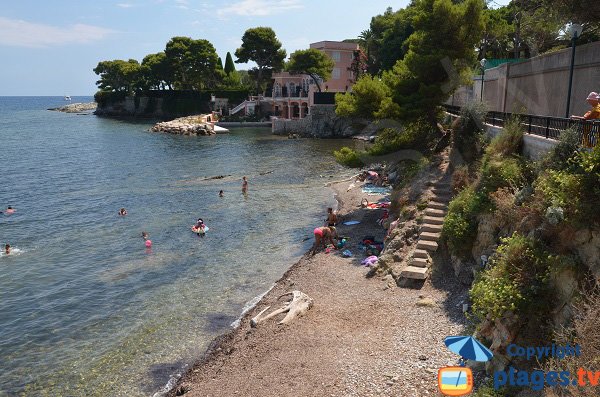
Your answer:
<point x="345" y="341"/>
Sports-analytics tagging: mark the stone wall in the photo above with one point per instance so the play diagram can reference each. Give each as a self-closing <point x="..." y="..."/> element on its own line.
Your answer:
<point x="539" y="85"/>
<point x="322" y="122"/>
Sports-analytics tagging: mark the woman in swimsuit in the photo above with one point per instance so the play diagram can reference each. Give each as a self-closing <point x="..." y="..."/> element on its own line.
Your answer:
<point x="324" y="234"/>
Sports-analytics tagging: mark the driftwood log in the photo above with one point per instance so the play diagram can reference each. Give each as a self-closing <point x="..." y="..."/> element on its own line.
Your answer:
<point x="299" y="305"/>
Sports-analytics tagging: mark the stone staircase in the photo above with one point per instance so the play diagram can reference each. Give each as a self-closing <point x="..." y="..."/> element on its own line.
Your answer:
<point x="430" y="232"/>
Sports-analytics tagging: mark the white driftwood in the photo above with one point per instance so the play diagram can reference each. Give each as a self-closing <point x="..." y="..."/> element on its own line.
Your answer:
<point x="299" y="305"/>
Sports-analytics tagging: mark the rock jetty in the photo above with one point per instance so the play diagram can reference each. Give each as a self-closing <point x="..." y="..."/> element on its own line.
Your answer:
<point x="76" y="107"/>
<point x="191" y="125"/>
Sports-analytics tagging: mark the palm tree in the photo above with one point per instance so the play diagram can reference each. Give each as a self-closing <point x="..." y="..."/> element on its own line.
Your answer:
<point x="366" y="39"/>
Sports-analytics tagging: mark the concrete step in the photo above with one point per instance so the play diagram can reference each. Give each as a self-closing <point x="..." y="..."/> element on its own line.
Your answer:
<point x="428" y="227"/>
<point x="442" y="198"/>
<point x="429" y="236"/>
<point x="435" y="220"/>
<point x="435" y="212"/>
<point x="417" y="273"/>
<point x="442" y="191"/>
<point x="419" y="262"/>
<point x="430" y="246"/>
<point x="419" y="253"/>
<point x="437" y="205"/>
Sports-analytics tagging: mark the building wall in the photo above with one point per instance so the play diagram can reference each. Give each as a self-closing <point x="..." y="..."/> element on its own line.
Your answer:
<point x="342" y="54"/>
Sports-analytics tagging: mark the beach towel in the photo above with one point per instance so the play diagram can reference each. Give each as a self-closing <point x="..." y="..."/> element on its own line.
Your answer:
<point x="350" y="223"/>
<point x="373" y="190"/>
<point x="370" y="261"/>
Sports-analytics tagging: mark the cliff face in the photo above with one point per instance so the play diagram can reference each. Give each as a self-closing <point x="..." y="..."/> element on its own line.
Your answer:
<point x="322" y="122"/>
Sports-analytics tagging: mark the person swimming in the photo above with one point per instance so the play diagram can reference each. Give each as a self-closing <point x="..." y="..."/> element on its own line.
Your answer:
<point x="10" y="210"/>
<point x="221" y="194"/>
<point x="7" y="249"/>
<point x="199" y="227"/>
<point x="147" y="241"/>
<point x="122" y="212"/>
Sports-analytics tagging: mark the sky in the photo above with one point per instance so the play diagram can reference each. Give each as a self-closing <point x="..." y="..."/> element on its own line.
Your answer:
<point x="52" y="47"/>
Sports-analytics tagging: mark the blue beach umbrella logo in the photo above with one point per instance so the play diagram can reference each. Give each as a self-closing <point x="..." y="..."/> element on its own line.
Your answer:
<point x="468" y="348"/>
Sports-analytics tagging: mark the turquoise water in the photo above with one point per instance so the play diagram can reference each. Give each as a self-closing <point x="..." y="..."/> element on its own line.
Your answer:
<point x="85" y="309"/>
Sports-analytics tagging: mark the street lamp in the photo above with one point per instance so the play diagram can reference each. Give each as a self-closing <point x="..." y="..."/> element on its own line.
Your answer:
<point x="575" y="31"/>
<point x="482" y="63"/>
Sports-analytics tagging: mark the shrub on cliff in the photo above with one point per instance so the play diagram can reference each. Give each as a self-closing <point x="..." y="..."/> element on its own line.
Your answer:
<point x="460" y="224"/>
<point x="467" y="130"/>
<point x="517" y="279"/>
<point x="508" y="142"/>
<point x="348" y="157"/>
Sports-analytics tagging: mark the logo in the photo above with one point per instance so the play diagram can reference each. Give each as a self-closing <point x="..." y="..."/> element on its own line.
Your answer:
<point x="455" y="381"/>
<point x="458" y="380"/>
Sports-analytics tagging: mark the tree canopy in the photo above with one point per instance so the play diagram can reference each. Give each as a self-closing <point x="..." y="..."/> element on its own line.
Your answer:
<point x="312" y="62"/>
<point x="261" y="46"/>
<point x="194" y="63"/>
<point x="118" y="75"/>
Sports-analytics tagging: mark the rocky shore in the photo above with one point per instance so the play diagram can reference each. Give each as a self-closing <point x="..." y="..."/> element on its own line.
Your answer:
<point x="77" y="108"/>
<point x="362" y="337"/>
<point x="191" y="125"/>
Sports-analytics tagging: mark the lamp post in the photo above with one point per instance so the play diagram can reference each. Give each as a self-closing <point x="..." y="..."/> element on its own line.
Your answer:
<point x="575" y="31"/>
<point x="482" y="63"/>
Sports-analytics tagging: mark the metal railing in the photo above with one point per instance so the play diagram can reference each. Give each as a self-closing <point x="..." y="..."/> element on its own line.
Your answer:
<point x="544" y="126"/>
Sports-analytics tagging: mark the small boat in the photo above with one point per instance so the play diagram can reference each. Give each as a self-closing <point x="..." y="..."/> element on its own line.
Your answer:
<point x="67" y="98"/>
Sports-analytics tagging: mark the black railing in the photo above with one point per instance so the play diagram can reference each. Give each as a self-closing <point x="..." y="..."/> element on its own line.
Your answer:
<point x="544" y="126"/>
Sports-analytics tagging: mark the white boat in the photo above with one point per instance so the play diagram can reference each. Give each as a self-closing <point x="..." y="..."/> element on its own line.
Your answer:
<point x="67" y="98"/>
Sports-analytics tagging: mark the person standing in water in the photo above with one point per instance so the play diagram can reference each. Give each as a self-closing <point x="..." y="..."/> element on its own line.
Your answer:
<point x="331" y="217"/>
<point x="122" y="212"/>
<point x="221" y="194"/>
<point x="244" y="185"/>
<point x="7" y="249"/>
<point x="147" y="241"/>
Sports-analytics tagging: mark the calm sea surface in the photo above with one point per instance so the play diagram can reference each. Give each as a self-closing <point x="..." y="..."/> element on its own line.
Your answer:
<point x="85" y="309"/>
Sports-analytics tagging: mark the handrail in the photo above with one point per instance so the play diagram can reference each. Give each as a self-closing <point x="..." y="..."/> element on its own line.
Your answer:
<point x="543" y="126"/>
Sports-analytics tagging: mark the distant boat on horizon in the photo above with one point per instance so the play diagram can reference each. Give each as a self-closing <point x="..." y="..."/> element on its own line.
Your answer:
<point x="67" y="98"/>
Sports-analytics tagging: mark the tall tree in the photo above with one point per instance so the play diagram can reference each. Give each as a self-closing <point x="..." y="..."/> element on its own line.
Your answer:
<point x="118" y="75"/>
<point x="194" y="63"/>
<point x="439" y="52"/>
<point x="156" y="71"/>
<point x="312" y="62"/>
<point x="229" y="65"/>
<point x="261" y="46"/>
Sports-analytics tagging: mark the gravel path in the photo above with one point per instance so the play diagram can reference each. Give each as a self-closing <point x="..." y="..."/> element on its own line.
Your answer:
<point x="363" y="336"/>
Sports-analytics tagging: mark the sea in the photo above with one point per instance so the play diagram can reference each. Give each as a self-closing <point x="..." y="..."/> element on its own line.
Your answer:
<point x="85" y="308"/>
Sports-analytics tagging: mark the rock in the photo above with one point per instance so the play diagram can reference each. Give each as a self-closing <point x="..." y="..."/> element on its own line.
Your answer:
<point x="76" y="107"/>
<point x="426" y="302"/>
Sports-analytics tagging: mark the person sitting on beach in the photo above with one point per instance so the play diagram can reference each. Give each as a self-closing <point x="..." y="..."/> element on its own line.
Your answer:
<point x="331" y="217"/>
<point x="122" y="212"/>
<point x="244" y="185"/>
<point x="323" y="235"/>
<point x="7" y="249"/>
<point x="221" y="194"/>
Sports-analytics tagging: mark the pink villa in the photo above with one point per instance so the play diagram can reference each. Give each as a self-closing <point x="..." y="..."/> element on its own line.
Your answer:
<point x="293" y="95"/>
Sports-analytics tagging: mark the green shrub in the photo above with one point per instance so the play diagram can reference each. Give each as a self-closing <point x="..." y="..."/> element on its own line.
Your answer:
<point x="559" y="158"/>
<point x="497" y="173"/>
<point x="107" y="98"/>
<point x="467" y="130"/>
<point x="509" y="141"/>
<point x="460" y="224"/>
<point x="518" y="279"/>
<point x="348" y="157"/>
